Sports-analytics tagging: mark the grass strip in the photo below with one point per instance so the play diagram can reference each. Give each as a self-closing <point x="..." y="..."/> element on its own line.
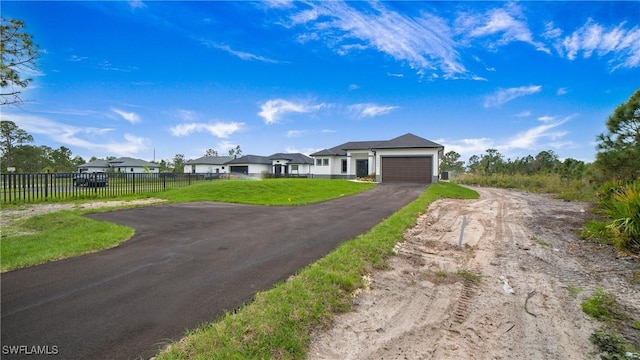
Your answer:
<point x="278" y="323"/>
<point x="56" y="236"/>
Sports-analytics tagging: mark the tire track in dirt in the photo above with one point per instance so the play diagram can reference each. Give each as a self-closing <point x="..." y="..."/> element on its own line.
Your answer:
<point x="425" y="307"/>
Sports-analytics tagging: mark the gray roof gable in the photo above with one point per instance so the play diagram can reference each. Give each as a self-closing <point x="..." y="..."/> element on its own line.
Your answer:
<point x="293" y="158"/>
<point x="408" y="141"/>
<point x="96" y="163"/>
<point x="130" y="162"/>
<point x="341" y="150"/>
<point x="210" y="160"/>
<point x="250" y="159"/>
<point x="405" y="141"/>
<point x="119" y="162"/>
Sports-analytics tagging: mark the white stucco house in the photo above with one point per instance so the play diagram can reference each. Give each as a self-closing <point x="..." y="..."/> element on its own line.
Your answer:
<point x="279" y="165"/>
<point x="407" y="158"/>
<point x="290" y="164"/>
<point x="208" y="165"/>
<point x="121" y="165"/>
<point x="250" y="165"/>
<point x="94" y="166"/>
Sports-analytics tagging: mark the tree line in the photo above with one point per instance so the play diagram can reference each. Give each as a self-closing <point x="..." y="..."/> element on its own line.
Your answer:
<point x="18" y="155"/>
<point x="617" y="158"/>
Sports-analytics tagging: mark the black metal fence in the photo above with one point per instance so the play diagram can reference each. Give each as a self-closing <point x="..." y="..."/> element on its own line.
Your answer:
<point x="20" y="188"/>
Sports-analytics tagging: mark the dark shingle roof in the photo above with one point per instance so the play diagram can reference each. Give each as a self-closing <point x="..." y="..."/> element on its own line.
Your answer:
<point x="210" y="160"/>
<point x="408" y="141"/>
<point x="341" y="150"/>
<point x="404" y="141"/>
<point x="96" y="163"/>
<point x="250" y="159"/>
<point x="293" y="158"/>
<point x="119" y="162"/>
<point x="127" y="161"/>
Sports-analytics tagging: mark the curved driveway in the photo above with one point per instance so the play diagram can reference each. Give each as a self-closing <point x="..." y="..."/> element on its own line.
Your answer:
<point x="186" y="265"/>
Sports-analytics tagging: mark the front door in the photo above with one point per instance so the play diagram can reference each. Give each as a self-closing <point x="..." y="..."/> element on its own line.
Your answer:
<point x="362" y="168"/>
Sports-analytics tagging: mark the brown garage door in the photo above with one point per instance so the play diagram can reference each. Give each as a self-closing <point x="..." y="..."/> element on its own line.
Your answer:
<point x="407" y="169"/>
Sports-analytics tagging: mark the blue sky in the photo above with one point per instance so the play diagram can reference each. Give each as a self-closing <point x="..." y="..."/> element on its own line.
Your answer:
<point x="160" y="78"/>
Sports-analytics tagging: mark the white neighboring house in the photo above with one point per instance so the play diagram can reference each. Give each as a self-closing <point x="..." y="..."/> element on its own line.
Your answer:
<point x="208" y="165"/>
<point x="131" y="165"/>
<point x="94" y="166"/>
<point x="407" y="158"/>
<point x="250" y="165"/>
<point x="290" y="164"/>
<point x="121" y="165"/>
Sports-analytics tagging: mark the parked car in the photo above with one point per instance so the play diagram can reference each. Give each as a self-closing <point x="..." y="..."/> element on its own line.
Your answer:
<point x="91" y="179"/>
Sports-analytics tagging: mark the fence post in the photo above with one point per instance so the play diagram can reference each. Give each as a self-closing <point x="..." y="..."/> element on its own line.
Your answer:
<point x="46" y="186"/>
<point x="133" y="181"/>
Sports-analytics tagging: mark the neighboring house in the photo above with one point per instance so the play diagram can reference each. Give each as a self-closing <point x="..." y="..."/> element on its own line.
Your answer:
<point x="94" y="166"/>
<point x="250" y="165"/>
<point x="123" y="164"/>
<point x="208" y="165"/>
<point x="294" y="164"/>
<point x="407" y="158"/>
<point x="131" y="165"/>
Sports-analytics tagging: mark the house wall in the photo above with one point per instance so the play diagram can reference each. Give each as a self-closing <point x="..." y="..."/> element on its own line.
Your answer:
<point x="331" y="171"/>
<point x="408" y="152"/>
<point x="255" y="170"/>
<point x="352" y="160"/>
<point x="91" y="169"/>
<point x="205" y="169"/>
<point x="303" y="169"/>
<point x="135" y="169"/>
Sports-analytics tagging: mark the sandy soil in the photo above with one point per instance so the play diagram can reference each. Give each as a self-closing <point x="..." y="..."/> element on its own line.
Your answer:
<point x="7" y="216"/>
<point x="524" y="249"/>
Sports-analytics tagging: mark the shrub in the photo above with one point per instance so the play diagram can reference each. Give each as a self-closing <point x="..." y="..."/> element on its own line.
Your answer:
<point x="621" y="204"/>
<point x="600" y="306"/>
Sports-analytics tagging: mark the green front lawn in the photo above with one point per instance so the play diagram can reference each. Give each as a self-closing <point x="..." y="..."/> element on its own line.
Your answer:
<point x="65" y="234"/>
<point x="267" y="191"/>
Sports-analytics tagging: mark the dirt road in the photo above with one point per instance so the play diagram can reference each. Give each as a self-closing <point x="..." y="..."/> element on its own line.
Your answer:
<point x="513" y="291"/>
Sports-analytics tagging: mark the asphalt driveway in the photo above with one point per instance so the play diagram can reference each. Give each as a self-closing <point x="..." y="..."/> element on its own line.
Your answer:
<point x="185" y="266"/>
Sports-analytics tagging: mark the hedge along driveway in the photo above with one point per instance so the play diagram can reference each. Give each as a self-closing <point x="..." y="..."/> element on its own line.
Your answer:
<point x="186" y="265"/>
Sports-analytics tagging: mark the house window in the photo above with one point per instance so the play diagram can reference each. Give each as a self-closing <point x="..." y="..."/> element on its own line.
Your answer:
<point x="318" y="162"/>
<point x="294" y="167"/>
<point x="344" y="166"/>
<point x="325" y="162"/>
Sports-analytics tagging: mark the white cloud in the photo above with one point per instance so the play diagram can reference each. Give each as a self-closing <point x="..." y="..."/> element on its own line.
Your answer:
<point x="240" y="54"/>
<point x="562" y="91"/>
<point x="129" y="116"/>
<point x="503" y="96"/>
<point x="505" y="25"/>
<point x="93" y="139"/>
<point x="369" y="110"/>
<point x="353" y="87"/>
<point x="398" y="75"/>
<point x="467" y="147"/>
<point x="187" y="115"/>
<point x="529" y="138"/>
<point x="620" y="42"/>
<point x="219" y="129"/>
<point x="544" y="136"/>
<point x="424" y="42"/>
<point x="273" y="110"/>
<point x="137" y="4"/>
<point x="225" y="146"/>
<point x="296" y="133"/>
<point x="523" y="114"/>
